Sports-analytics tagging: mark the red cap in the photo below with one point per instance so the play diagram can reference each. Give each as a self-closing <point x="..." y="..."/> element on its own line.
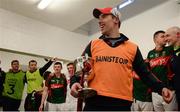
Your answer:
<point x="109" y="10"/>
<point x="97" y="11"/>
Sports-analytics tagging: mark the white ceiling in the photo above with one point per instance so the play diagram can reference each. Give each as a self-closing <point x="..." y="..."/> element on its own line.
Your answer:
<point x="73" y="15"/>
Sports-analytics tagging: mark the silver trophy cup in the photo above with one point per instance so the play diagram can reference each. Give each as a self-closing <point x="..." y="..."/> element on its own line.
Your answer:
<point x="83" y="66"/>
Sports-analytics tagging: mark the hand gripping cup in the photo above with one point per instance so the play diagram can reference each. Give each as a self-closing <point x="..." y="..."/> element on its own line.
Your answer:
<point x="84" y="69"/>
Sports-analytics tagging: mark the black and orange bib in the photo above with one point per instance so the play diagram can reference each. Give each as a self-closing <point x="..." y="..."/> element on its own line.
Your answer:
<point x="113" y="69"/>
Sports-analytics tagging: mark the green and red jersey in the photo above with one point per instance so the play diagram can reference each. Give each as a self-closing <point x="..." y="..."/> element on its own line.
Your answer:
<point x="57" y="89"/>
<point x="159" y="62"/>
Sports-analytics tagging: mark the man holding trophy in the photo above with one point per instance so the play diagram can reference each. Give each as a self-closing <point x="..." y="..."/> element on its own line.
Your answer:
<point x="113" y="59"/>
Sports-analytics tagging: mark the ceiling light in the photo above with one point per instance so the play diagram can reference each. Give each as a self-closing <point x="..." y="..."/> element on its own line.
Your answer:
<point x="127" y="2"/>
<point x="43" y="4"/>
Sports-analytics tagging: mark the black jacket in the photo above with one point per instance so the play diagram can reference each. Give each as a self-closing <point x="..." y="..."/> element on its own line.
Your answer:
<point x="2" y="78"/>
<point x="176" y="69"/>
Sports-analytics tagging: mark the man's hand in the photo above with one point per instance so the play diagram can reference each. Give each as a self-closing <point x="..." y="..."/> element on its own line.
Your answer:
<point x="41" y="108"/>
<point x="74" y="89"/>
<point x="167" y="95"/>
<point x="54" y="59"/>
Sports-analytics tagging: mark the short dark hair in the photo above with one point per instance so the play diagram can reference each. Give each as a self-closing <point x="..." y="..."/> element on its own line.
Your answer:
<point x="13" y="61"/>
<point x="46" y="74"/>
<point x="157" y="32"/>
<point x="58" y="63"/>
<point x="32" y="61"/>
<point x="71" y="63"/>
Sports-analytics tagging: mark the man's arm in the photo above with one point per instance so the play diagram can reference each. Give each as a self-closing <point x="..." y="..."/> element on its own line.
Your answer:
<point x="146" y="76"/>
<point x="87" y="50"/>
<point x="45" y="92"/>
<point x="2" y="79"/>
<point x="65" y="85"/>
<point x="44" y="95"/>
<point x="3" y="76"/>
<point x="46" y="66"/>
<point x="24" y="78"/>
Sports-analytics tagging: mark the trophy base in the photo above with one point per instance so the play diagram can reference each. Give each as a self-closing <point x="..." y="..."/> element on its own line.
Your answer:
<point x="86" y="93"/>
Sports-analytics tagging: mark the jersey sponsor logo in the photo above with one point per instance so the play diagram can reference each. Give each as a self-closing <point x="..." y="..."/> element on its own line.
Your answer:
<point x="53" y="81"/>
<point x="151" y="56"/>
<point x="54" y="86"/>
<point x="159" y="61"/>
<point x="57" y="81"/>
<point x="12" y="81"/>
<point x="113" y="59"/>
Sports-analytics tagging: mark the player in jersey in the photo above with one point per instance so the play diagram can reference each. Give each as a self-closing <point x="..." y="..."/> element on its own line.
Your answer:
<point x="71" y="102"/>
<point x="115" y="58"/>
<point x="13" y="87"/>
<point x="34" y="79"/>
<point x="142" y="95"/>
<point x="55" y="88"/>
<point x="159" y="61"/>
<point x="173" y="38"/>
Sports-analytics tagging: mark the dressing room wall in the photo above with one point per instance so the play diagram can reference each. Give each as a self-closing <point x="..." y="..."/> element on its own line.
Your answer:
<point x="27" y="35"/>
<point x="141" y="28"/>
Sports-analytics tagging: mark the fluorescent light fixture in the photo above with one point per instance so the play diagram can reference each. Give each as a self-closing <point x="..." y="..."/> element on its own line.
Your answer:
<point x="43" y="4"/>
<point x="127" y="2"/>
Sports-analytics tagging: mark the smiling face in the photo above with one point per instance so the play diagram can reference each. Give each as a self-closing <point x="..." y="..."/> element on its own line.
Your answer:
<point x="172" y="36"/>
<point x="160" y="39"/>
<point x="107" y="22"/>
<point x="71" y="69"/>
